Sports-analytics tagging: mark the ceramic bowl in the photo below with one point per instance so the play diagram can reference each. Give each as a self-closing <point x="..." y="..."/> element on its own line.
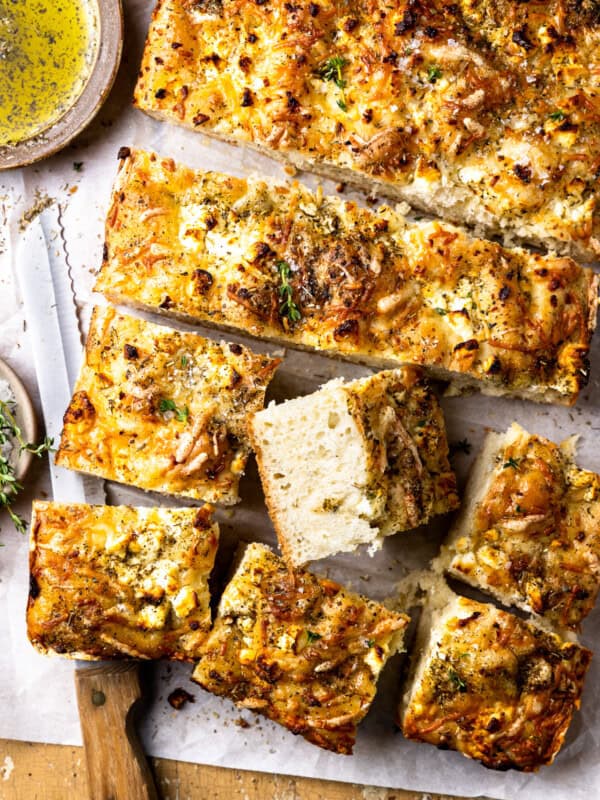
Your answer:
<point x="25" y="416"/>
<point x="87" y="104"/>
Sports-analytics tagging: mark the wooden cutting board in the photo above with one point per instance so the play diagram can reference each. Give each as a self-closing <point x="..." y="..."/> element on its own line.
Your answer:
<point x="53" y="772"/>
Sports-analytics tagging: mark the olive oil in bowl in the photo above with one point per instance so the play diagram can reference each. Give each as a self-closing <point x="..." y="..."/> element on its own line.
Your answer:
<point x="47" y="52"/>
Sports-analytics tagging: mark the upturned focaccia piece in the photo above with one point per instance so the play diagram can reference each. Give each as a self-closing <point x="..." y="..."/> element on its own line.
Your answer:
<point x="491" y="686"/>
<point x="280" y="262"/>
<point x="529" y="529"/>
<point x="485" y="113"/>
<point x="120" y="582"/>
<point x="301" y="650"/>
<point x="163" y="410"/>
<point x="352" y="463"/>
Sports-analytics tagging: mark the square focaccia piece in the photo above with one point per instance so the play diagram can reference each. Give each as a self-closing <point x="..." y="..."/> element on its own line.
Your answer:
<point x="529" y="529"/>
<point x="120" y="582"/>
<point x="352" y="463"/>
<point x="163" y="410"/>
<point x="301" y="650"/>
<point x="492" y="686"/>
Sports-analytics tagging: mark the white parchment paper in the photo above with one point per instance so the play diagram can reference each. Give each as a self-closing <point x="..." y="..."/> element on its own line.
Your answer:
<point x="37" y="694"/>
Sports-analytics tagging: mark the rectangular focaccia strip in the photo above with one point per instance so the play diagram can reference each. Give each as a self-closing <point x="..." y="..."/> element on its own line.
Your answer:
<point x="279" y="262"/>
<point x="301" y="650"/>
<point x="120" y="582"/>
<point x="529" y="529"/>
<point x="374" y="463"/>
<point x="484" y="113"/>
<point x="163" y="410"/>
<point x="492" y="686"/>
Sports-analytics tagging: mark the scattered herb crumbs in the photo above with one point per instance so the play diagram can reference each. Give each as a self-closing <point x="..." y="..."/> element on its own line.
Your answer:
<point x="434" y="73"/>
<point x="456" y="681"/>
<point x="462" y="446"/>
<point x="312" y="637"/>
<point x="441" y="311"/>
<point x="370" y="642"/>
<point x="184" y="361"/>
<point x="557" y="116"/>
<point x="512" y="462"/>
<point x="78" y="166"/>
<point x="166" y="405"/>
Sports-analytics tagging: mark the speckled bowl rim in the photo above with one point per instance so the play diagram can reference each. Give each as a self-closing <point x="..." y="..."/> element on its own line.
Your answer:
<point x="25" y="416"/>
<point x="89" y="102"/>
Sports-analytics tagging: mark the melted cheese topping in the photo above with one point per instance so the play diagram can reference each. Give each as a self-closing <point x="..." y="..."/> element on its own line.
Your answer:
<point x="300" y="650"/>
<point x="533" y="538"/>
<point x="365" y="284"/>
<point x="482" y="112"/>
<point x="495" y="688"/>
<point x="163" y="410"/>
<point x="120" y="582"/>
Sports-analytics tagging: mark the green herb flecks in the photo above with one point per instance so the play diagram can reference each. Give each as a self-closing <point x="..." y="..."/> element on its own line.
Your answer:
<point x="312" y="636"/>
<point x="166" y="406"/>
<point x="557" y="116"/>
<point x="287" y="307"/>
<point x="457" y="682"/>
<point x="434" y="73"/>
<point x="441" y="311"/>
<point x="78" y="166"/>
<point x="10" y="433"/>
<point x="462" y="446"/>
<point x="512" y="462"/>
<point x="333" y="70"/>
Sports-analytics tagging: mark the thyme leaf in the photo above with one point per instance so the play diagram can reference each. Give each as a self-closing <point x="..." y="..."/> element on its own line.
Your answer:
<point x="287" y="307"/>
<point x="9" y="485"/>
<point x="166" y="405"/>
<point x="333" y="70"/>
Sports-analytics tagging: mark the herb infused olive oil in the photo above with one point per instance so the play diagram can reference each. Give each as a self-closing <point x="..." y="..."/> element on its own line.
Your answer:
<point x="47" y="51"/>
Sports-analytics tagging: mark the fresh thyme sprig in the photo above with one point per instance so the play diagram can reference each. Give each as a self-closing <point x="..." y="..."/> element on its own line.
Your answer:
<point x="332" y="70"/>
<point x="10" y="433"/>
<point x="287" y="307"/>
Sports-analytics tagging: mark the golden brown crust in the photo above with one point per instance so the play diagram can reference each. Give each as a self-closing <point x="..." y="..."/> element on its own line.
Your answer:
<point x="163" y="410"/>
<point x="120" y="582"/>
<point x="496" y="688"/>
<point x="530" y="535"/>
<point x="300" y="650"/>
<point x="361" y="284"/>
<point x="484" y="112"/>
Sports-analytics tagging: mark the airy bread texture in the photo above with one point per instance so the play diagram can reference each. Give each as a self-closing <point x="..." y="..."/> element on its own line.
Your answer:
<point x="283" y="263"/>
<point x="120" y="582"/>
<point x="490" y="685"/>
<point x="528" y="532"/>
<point x="353" y="463"/>
<point x="299" y="649"/>
<point x="484" y="113"/>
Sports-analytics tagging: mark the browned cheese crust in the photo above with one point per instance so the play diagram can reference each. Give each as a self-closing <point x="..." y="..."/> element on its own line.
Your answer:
<point x="300" y="650"/>
<point x="482" y="112"/>
<point x="163" y="410"/>
<point x="280" y="262"/>
<point x="531" y="537"/>
<point x="496" y="688"/>
<point x="120" y="582"/>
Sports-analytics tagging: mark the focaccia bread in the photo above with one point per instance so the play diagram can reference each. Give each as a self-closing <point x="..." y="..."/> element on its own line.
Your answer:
<point x="301" y="650"/>
<point x="283" y="263"/>
<point x="352" y="463"/>
<point x="486" y="113"/>
<point x="120" y="582"/>
<point x="163" y="410"/>
<point x="529" y="529"/>
<point x="492" y="686"/>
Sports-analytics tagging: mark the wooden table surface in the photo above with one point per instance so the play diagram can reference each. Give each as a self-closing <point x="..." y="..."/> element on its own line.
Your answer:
<point x="52" y="772"/>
